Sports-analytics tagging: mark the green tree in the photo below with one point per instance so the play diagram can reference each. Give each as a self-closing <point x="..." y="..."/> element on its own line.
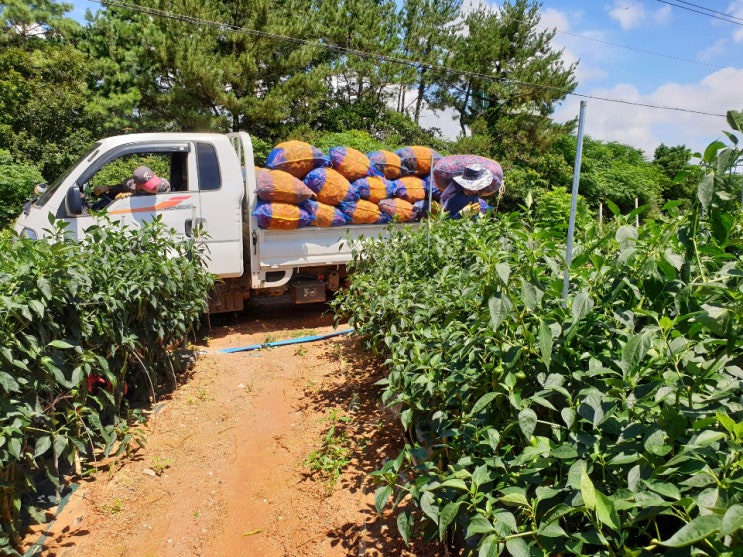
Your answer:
<point x="44" y="98"/>
<point x="682" y="176"/>
<point x="615" y="172"/>
<point x="16" y="186"/>
<point x="511" y="78"/>
<point x="41" y="19"/>
<point x="357" y="74"/>
<point x="428" y="30"/>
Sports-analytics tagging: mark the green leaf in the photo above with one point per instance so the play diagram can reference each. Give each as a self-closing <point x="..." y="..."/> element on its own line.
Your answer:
<point x="8" y="383"/>
<point x="665" y="489"/>
<point x="545" y="343"/>
<point x="406" y="417"/>
<point x="43" y="444"/>
<point x="456" y="483"/>
<point x="732" y="521"/>
<point x="405" y="526"/>
<point x="704" y="439"/>
<point x="606" y="512"/>
<point x="44" y="287"/>
<point x="582" y="306"/>
<point x="530" y="294"/>
<point x="499" y="307"/>
<point x="706" y="191"/>
<point x="696" y="530"/>
<point x="568" y="416"/>
<point x="654" y="442"/>
<point x="633" y="353"/>
<point x="489" y="546"/>
<point x="482" y="402"/>
<point x="587" y="490"/>
<point x="381" y="496"/>
<point x="504" y="271"/>
<point x="429" y="507"/>
<point x="515" y="497"/>
<point x="447" y="516"/>
<point x="517" y="547"/>
<point x="60" y="444"/>
<point x="61" y="344"/>
<point x="478" y="524"/>
<point x="527" y="422"/>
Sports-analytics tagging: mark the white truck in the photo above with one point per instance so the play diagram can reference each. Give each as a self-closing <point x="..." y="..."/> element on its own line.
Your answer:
<point x="213" y="187"/>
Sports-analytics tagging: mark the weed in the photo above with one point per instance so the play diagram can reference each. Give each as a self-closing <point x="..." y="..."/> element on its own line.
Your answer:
<point x="114" y="508"/>
<point x="160" y="464"/>
<point x="300" y="351"/>
<point x="335" y="453"/>
<point x="303" y="333"/>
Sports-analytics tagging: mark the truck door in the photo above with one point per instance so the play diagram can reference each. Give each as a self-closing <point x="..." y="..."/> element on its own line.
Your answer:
<point x="220" y="194"/>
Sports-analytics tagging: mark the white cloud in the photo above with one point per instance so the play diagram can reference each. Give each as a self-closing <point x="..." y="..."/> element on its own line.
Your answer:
<point x="632" y="14"/>
<point x="646" y="128"/>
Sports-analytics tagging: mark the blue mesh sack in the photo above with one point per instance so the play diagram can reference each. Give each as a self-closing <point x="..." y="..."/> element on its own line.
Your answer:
<point x="281" y="216"/>
<point x="374" y="188"/>
<point x="385" y="163"/>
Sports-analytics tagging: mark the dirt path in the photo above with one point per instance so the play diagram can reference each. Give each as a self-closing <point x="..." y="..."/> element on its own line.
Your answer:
<point x="224" y="471"/>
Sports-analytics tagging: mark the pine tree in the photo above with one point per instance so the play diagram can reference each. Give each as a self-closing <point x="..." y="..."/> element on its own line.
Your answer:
<point x="511" y="79"/>
<point x="428" y="29"/>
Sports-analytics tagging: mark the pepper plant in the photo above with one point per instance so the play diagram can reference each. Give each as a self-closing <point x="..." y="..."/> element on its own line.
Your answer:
<point x="81" y="325"/>
<point x="607" y="423"/>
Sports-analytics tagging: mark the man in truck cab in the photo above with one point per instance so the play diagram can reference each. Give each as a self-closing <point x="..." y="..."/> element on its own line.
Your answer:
<point x="143" y="182"/>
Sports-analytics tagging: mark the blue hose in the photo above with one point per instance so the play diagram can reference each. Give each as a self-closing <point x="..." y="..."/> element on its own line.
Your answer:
<point x="284" y="342"/>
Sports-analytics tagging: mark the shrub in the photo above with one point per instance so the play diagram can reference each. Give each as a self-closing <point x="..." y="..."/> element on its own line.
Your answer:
<point x="606" y="423"/>
<point x="76" y="316"/>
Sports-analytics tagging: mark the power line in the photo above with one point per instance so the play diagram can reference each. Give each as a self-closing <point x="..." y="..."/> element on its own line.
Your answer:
<point x="705" y="11"/>
<point x="710" y="10"/>
<point x="384" y="58"/>
<point x="640" y="50"/>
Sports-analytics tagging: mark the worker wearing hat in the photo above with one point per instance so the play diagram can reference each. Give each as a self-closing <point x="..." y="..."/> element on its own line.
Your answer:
<point x="145" y="181"/>
<point x="464" y="189"/>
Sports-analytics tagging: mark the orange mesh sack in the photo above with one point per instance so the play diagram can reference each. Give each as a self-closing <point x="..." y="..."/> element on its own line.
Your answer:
<point x="398" y="209"/>
<point x="326" y="215"/>
<point x="277" y="185"/>
<point x="295" y="157"/>
<point x="351" y="163"/>
<point x="330" y="186"/>
<point x="385" y="163"/>
<point x="364" y="212"/>
<point x="410" y="188"/>
<point x="281" y="216"/>
<point x="373" y="188"/>
<point x="416" y="160"/>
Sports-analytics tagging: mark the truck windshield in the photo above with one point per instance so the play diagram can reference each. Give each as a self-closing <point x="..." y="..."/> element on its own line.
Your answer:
<point x="49" y="192"/>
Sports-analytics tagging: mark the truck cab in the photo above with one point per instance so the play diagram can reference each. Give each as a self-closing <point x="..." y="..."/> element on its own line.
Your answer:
<point x="207" y="191"/>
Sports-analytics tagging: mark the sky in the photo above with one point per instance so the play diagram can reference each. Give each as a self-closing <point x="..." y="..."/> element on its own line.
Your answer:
<point x="635" y="56"/>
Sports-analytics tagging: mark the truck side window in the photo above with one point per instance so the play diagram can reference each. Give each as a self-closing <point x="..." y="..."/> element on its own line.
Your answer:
<point x="208" y="166"/>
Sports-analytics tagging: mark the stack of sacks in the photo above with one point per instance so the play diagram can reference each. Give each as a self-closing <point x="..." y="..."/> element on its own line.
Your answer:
<point x="284" y="201"/>
<point x="279" y="198"/>
<point x="354" y="166"/>
<point x="411" y="187"/>
<point x="302" y="186"/>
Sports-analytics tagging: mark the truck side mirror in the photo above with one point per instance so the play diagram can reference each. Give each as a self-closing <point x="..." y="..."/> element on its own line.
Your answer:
<point x="73" y="202"/>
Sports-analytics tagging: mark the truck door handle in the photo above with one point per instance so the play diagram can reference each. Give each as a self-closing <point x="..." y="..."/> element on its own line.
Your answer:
<point x="191" y="224"/>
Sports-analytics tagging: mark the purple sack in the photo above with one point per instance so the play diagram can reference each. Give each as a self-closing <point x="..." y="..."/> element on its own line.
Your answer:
<point x="447" y="168"/>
